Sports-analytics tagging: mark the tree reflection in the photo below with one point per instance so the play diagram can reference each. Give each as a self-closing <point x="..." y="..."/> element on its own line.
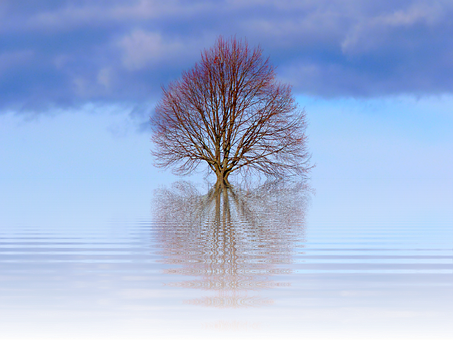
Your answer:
<point x="231" y="240"/>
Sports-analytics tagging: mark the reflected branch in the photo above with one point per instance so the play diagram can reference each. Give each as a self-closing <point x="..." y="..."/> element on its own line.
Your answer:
<point x="232" y="239"/>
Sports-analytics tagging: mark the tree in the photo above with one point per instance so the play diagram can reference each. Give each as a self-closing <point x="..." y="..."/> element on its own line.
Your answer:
<point x="230" y="113"/>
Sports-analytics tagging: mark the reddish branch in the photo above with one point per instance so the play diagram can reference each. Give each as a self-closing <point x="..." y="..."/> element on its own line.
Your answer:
<point x="230" y="113"/>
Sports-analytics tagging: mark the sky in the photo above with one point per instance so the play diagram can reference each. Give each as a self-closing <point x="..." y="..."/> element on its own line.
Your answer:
<point x="79" y="79"/>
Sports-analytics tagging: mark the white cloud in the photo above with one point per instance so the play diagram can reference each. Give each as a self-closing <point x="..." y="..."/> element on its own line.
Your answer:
<point x="146" y="9"/>
<point x="141" y="49"/>
<point x="75" y="15"/>
<point x="99" y="50"/>
<point x="372" y="32"/>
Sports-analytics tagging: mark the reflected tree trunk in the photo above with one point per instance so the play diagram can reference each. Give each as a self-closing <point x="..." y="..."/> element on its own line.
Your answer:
<point x="229" y="239"/>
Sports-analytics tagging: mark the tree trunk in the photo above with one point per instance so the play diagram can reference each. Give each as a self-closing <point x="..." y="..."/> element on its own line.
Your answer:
<point x="222" y="179"/>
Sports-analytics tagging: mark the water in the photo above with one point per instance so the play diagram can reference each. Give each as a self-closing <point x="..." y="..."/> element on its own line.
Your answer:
<point x="231" y="264"/>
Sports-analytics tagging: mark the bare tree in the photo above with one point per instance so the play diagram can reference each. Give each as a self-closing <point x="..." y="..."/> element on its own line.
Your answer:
<point x="230" y="113"/>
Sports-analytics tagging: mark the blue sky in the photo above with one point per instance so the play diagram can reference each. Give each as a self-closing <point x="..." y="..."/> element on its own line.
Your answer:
<point x="78" y="80"/>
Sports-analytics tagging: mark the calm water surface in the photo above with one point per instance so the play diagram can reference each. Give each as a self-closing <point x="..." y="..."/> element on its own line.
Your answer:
<point x="230" y="264"/>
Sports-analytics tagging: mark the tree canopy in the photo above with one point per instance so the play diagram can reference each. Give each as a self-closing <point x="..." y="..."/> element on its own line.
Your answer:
<point x="230" y="113"/>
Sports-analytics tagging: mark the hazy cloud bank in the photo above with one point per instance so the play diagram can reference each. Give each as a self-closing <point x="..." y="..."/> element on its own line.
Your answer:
<point x="67" y="53"/>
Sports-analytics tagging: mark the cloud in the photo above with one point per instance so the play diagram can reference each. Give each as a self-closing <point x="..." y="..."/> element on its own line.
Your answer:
<point x="373" y="33"/>
<point x="141" y="48"/>
<point x="11" y="59"/>
<point x="55" y="53"/>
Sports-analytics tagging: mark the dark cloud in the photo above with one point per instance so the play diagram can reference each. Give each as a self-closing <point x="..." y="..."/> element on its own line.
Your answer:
<point x="66" y="53"/>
